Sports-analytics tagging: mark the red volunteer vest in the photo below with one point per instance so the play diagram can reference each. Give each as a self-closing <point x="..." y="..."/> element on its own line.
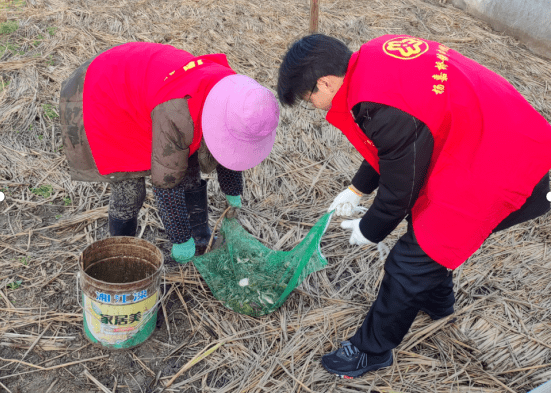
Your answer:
<point x="490" y="146"/>
<point x="125" y="83"/>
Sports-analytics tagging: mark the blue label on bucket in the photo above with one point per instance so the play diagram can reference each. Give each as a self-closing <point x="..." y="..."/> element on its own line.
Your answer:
<point x="103" y="297"/>
<point x="121" y="299"/>
<point x="140" y="295"/>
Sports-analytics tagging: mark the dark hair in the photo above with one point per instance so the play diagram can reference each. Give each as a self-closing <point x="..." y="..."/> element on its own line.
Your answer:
<point x="307" y="60"/>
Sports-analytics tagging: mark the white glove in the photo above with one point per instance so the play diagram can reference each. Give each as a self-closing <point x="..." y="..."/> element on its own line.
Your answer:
<point x="357" y="237"/>
<point x="345" y="203"/>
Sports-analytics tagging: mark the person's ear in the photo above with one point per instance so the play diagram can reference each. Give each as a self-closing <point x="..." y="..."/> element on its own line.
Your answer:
<point x="324" y="84"/>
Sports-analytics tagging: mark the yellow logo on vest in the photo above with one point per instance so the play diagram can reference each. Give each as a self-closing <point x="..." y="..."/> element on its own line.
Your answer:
<point x="405" y="48"/>
<point x="188" y="66"/>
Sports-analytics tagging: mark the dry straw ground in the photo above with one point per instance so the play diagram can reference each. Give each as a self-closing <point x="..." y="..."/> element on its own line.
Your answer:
<point x="500" y="342"/>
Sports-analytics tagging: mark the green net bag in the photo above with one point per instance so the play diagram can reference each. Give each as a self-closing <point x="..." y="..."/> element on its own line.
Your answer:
<point x="251" y="279"/>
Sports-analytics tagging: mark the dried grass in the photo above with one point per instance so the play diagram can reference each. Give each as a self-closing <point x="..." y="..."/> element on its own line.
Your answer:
<point x="501" y="340"/>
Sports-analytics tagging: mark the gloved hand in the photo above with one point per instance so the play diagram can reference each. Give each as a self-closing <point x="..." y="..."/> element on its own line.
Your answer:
<point x="182" y="253"/>
<point x="234" y="201"/>
<point x="357" y="237"/>
<point x="345" y="203"/>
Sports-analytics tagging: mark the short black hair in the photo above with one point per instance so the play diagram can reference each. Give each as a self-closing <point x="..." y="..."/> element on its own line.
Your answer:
<point x="307" y="60"/>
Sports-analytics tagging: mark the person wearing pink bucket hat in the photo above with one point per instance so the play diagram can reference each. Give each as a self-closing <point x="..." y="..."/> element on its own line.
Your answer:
<point x="239" y="122"/>
<point x="142" y="109"/>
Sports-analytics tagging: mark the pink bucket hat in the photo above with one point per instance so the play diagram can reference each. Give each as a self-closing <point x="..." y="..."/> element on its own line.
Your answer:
<point x="239" y="122"/>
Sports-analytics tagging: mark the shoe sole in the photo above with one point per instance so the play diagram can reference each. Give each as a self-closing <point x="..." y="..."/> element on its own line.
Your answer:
<point x="359" y="373"/>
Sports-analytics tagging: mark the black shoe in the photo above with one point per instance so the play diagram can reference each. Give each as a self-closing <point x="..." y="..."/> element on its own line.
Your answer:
<point x="435" y="316"/>
<point x="118" y="227"/>
<point x="348" y="362"/>
<point x="197" y="207"/>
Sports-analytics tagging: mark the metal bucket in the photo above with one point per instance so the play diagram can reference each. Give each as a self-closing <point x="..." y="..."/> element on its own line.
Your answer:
<point x="120" y="282"/>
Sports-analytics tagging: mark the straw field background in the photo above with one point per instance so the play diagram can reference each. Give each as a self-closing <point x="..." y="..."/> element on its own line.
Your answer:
<point x="500" y="340"/>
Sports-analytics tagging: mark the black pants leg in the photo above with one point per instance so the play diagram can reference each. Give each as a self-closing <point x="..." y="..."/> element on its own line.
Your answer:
<point x="412" y="281"/>
<point x="441" y="298"/>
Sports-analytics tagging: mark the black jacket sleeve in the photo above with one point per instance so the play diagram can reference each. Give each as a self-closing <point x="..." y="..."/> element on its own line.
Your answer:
<point x="405" y="146"/>
<point x="366" y="179"/>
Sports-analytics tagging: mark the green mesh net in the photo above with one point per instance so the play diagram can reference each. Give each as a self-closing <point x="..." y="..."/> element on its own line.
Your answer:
<point x="251" y="279"/>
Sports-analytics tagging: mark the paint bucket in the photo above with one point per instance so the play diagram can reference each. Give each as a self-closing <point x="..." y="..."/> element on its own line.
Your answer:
<point x="120" y="282"/>
<point x="545" y="388"/>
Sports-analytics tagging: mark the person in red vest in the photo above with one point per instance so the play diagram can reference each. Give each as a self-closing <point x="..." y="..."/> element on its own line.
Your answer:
<point x="142" y="109"/>
<point x="450" y="145"/>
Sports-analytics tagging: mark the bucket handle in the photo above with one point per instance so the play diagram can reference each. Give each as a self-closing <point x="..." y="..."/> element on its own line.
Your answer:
<point x="78" y="290"/>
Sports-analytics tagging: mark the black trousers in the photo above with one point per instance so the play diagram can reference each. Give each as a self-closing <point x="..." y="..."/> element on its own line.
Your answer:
<point x="413" y="281"/>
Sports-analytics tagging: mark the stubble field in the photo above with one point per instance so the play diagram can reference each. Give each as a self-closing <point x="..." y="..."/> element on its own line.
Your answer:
<point x="500" y="340"/>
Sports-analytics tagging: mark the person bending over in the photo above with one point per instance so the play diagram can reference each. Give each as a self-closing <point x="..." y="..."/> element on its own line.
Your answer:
<point x="448" y="144"/>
